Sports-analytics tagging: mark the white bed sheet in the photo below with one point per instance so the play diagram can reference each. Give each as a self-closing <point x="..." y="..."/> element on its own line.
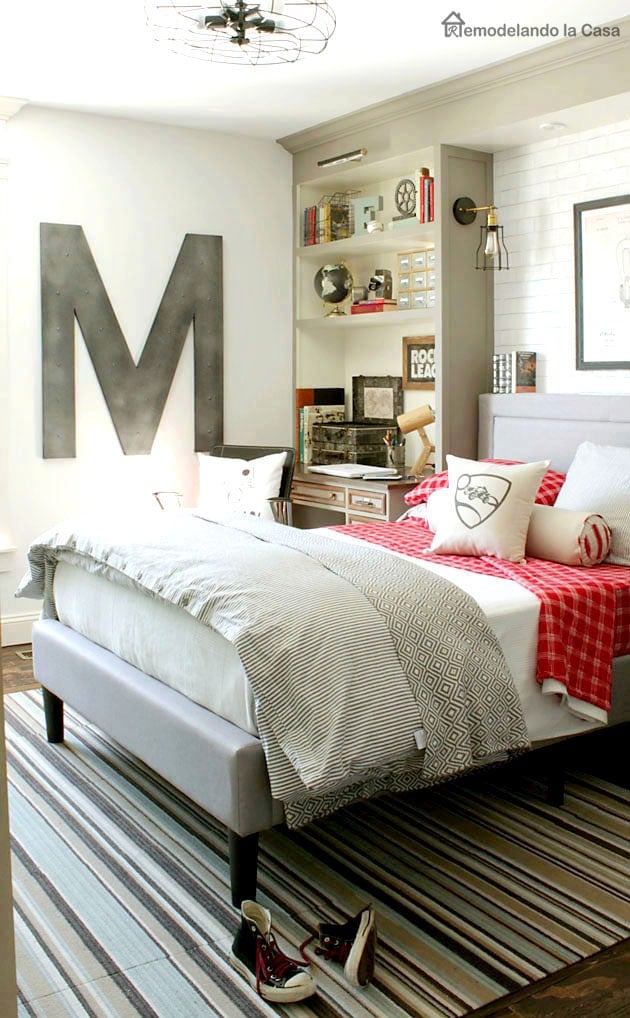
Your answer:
<point x="159" y="639"/>
<point x="167" y="643"/>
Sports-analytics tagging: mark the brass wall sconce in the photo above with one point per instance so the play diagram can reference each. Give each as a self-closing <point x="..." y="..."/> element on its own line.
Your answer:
<point x="491" y="253"/>
<point x="417" y="420"/>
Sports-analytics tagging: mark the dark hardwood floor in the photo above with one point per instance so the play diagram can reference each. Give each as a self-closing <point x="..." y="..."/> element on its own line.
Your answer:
<point x="598" y="987"/>
<point x="17" y="669"/>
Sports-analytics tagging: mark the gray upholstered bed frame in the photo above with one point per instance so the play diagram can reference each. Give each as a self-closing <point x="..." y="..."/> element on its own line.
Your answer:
<point x="219" y="766"/>
<point x="536" y="425"/>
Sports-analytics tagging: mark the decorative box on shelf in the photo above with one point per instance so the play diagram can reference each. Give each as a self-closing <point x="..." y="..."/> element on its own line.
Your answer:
<point x="350" y="442"/>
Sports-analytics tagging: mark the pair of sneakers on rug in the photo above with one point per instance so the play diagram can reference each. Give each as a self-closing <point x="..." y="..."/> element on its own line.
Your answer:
<point x="277" y="978"/>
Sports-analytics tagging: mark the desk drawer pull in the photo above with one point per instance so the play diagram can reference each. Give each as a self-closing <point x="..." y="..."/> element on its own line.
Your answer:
<point x="374" y="503"/>
<point x="323" y="494"/>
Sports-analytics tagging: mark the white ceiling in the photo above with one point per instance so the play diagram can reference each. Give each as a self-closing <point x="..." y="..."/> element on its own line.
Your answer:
<point x="100" y="58"/>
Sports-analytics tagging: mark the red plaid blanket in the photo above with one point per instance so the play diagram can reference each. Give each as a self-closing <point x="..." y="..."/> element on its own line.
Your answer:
<point x="584" y="613"/>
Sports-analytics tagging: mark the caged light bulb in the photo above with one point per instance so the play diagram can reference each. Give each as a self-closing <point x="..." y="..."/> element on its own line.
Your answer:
<point x="623" y="261"/>
<point x="491" y="249"/>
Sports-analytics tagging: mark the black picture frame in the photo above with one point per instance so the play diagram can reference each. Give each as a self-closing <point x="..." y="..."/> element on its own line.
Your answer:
<point x="419" y="362"/>
<point x="602" y="298"/>
<point x="368" y="391"/>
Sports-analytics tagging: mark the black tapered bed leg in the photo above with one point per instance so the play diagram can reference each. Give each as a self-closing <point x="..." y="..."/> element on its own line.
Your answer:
<point x="243" y="852"/>
<point x="553" y="761"/>
<point x="555" y="784"/>
<point x="53" y="711"/>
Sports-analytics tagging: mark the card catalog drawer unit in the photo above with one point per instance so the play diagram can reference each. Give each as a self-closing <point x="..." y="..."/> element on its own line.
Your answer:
<point x="364" y="501"/>
<point x="322" y="493"/>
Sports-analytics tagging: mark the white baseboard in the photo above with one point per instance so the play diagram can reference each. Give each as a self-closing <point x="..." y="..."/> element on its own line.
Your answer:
<point x="18" y="628"/>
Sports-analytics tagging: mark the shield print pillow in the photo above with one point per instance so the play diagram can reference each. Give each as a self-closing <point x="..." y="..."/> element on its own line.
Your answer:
<point x="478" y="496"/>
<point x="488" y="508"/>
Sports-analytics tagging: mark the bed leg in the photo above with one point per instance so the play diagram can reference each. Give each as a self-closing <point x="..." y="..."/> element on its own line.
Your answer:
<point x="53" y="712"/>
<point x="555" y="768"/>
<point x="555" y="784"/>
<point x="243" y="853"/>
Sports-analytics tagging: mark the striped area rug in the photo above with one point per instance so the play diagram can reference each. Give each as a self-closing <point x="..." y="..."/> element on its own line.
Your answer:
<point x="122" y="903"/>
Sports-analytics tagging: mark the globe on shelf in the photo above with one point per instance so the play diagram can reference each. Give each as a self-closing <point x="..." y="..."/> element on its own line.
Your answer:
<point x="333" y="285"/>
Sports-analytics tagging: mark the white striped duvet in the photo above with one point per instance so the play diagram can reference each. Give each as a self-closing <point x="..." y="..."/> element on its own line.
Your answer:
<point x="165" y="642"/>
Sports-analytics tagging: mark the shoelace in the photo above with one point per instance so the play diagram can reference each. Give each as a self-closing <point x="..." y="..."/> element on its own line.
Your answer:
<point x="335" y="950"/>
<point x="271" y="961"/>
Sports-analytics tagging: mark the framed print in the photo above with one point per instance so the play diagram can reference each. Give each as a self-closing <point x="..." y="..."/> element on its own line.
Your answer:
<point x="602" y="283"/>
<point x="418" y="362"/>
<point x="376" y="399"/>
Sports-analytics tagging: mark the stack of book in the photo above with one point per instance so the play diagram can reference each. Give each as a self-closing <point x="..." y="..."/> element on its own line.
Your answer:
<point x="367" y="307"/>
<point x="325" y="222"/>
<point x="309" y="417"/>
<point x="315" y="404"/>
<point x="514" y="371"/>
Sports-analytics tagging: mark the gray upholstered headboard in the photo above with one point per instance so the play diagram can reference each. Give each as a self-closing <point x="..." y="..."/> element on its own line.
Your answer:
<point x="533" y="426"/>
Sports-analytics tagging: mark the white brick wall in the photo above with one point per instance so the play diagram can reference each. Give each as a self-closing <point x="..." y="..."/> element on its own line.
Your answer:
<point x="535" y="188"/>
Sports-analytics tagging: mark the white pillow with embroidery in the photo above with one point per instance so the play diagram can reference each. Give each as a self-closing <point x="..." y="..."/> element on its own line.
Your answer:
<point x="239" y="486"/>
<point x="598" y="481"/>
<point x="488" y="508"/>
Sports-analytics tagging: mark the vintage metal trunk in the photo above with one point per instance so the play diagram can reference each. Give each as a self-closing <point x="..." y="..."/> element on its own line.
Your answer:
<point x="350" y="442"/>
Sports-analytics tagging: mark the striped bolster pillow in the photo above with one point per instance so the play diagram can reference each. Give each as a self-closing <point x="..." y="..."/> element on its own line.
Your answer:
<point x="569" y="536"/>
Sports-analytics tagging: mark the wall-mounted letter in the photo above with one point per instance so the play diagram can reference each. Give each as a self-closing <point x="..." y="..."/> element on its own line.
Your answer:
<point x="135" y="394"/>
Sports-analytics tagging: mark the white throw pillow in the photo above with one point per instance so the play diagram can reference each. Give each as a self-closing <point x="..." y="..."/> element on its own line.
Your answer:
<point x="437" y="507"/>
<point x="572" y="537"/>
<point x="598" y="481"/>
<point x="488" y="509"/>
<point x="239" y="486"/>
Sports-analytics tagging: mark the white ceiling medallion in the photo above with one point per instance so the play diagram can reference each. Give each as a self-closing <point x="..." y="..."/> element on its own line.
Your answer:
<point x="276" y="32"/>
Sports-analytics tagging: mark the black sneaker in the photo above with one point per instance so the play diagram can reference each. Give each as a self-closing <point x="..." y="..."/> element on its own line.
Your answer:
<point x="256" y="955"/>
<point x="353" y="944"/>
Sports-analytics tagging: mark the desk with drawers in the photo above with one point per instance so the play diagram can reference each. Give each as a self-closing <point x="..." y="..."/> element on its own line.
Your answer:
<point x="321" y="500"/>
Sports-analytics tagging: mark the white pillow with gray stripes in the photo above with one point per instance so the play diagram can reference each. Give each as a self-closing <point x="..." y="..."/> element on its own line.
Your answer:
<point x="598" y="481"/>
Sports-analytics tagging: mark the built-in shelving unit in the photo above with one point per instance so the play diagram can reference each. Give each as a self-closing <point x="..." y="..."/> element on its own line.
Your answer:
<point x="331" y="349"/>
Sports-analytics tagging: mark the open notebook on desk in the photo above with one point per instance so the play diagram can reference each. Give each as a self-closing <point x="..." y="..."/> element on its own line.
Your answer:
<point x="354" y="470"/>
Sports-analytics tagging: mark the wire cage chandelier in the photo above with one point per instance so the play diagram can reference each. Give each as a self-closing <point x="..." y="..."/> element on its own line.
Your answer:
<point x="273" y="32"/>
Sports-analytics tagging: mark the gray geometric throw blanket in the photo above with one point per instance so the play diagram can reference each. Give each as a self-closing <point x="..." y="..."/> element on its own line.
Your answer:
<point x="369" y="673"/>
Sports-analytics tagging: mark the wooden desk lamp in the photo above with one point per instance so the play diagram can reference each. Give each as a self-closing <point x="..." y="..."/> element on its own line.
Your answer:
<point x="417" y="420"/>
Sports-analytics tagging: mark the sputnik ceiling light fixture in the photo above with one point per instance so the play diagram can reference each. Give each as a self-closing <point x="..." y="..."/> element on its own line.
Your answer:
<point x="274" y="32"/>
<point x="492" y="253"/>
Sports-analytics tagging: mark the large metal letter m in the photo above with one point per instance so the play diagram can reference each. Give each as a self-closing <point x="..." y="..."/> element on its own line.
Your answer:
<point x="135" y="394"/>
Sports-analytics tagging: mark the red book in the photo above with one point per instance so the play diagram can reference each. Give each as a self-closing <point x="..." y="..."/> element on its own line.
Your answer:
<point x="366" y="307"/>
